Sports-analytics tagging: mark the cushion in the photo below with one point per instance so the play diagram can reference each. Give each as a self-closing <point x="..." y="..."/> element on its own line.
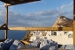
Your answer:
<point x="35" y="44"/>
<point x="6" y="44"/>
<point x="69" y="47"/>
<point x="16" y="45"/>
<point x="48" y="45"/>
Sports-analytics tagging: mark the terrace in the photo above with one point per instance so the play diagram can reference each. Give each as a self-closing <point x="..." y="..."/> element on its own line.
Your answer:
<point x="15" y="2"/>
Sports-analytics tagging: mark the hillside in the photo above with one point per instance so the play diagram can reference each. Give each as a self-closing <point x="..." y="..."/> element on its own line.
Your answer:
<point x="63" y="21"/>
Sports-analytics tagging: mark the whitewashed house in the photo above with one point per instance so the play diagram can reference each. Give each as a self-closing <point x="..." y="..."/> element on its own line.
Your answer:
<point x="62" y="37"/>
<point x="35" y="35"/>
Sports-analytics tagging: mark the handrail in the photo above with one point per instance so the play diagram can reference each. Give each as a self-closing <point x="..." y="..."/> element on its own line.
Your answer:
<point x="42" y="28"/>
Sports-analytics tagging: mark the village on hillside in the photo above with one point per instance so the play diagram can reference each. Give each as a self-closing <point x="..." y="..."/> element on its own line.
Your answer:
<point x="62" y="37"/>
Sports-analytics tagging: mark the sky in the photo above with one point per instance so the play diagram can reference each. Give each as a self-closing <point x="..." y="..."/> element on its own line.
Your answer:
<point x="37" y="14"/>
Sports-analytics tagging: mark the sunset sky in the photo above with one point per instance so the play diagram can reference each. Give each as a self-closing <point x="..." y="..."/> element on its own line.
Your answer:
<point x="40" y="14"/>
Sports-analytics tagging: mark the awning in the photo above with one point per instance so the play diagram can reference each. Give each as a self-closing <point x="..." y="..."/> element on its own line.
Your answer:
<point x="14" y="2"/>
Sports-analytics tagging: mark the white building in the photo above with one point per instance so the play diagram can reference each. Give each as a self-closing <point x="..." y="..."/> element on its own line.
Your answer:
<point x="62" y="37"/>
<point x="35" y="35"/>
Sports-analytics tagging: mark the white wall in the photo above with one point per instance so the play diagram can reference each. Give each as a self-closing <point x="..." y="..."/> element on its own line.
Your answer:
<point x="61" y="39"/>
<point x="60" y="32"/>
<point x="32" y="38"/>
<point x="48" y="33"/>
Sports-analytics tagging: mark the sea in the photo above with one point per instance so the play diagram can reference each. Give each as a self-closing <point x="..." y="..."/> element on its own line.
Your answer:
<point x="18" y="35"/>
<point x="13" y="34"/>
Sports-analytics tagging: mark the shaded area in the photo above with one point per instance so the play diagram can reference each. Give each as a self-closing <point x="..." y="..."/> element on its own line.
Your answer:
<point x="13" y="2"/>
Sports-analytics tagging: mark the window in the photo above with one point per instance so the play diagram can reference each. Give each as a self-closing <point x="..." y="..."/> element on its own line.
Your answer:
<point x="45" y="37"/>
<point x="54" y="33"/>
<point x="70" y="36"/>
<point x="65" y="33"/>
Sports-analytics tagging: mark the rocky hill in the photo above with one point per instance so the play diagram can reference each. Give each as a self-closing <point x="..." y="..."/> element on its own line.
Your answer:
<point x="63" y="21"/>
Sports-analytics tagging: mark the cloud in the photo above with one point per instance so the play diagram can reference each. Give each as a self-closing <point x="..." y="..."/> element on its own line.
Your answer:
<point x="67" y="6"/>
<point x="44" y="18"/>
<point x="68" y="9"/>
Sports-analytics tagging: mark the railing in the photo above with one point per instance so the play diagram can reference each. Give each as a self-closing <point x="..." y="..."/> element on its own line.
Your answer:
<point x="42" y="28"/>
<point x="38" y="29"/>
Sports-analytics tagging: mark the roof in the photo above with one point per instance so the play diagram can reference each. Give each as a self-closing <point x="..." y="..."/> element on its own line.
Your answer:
<point x="14" y="2"/>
